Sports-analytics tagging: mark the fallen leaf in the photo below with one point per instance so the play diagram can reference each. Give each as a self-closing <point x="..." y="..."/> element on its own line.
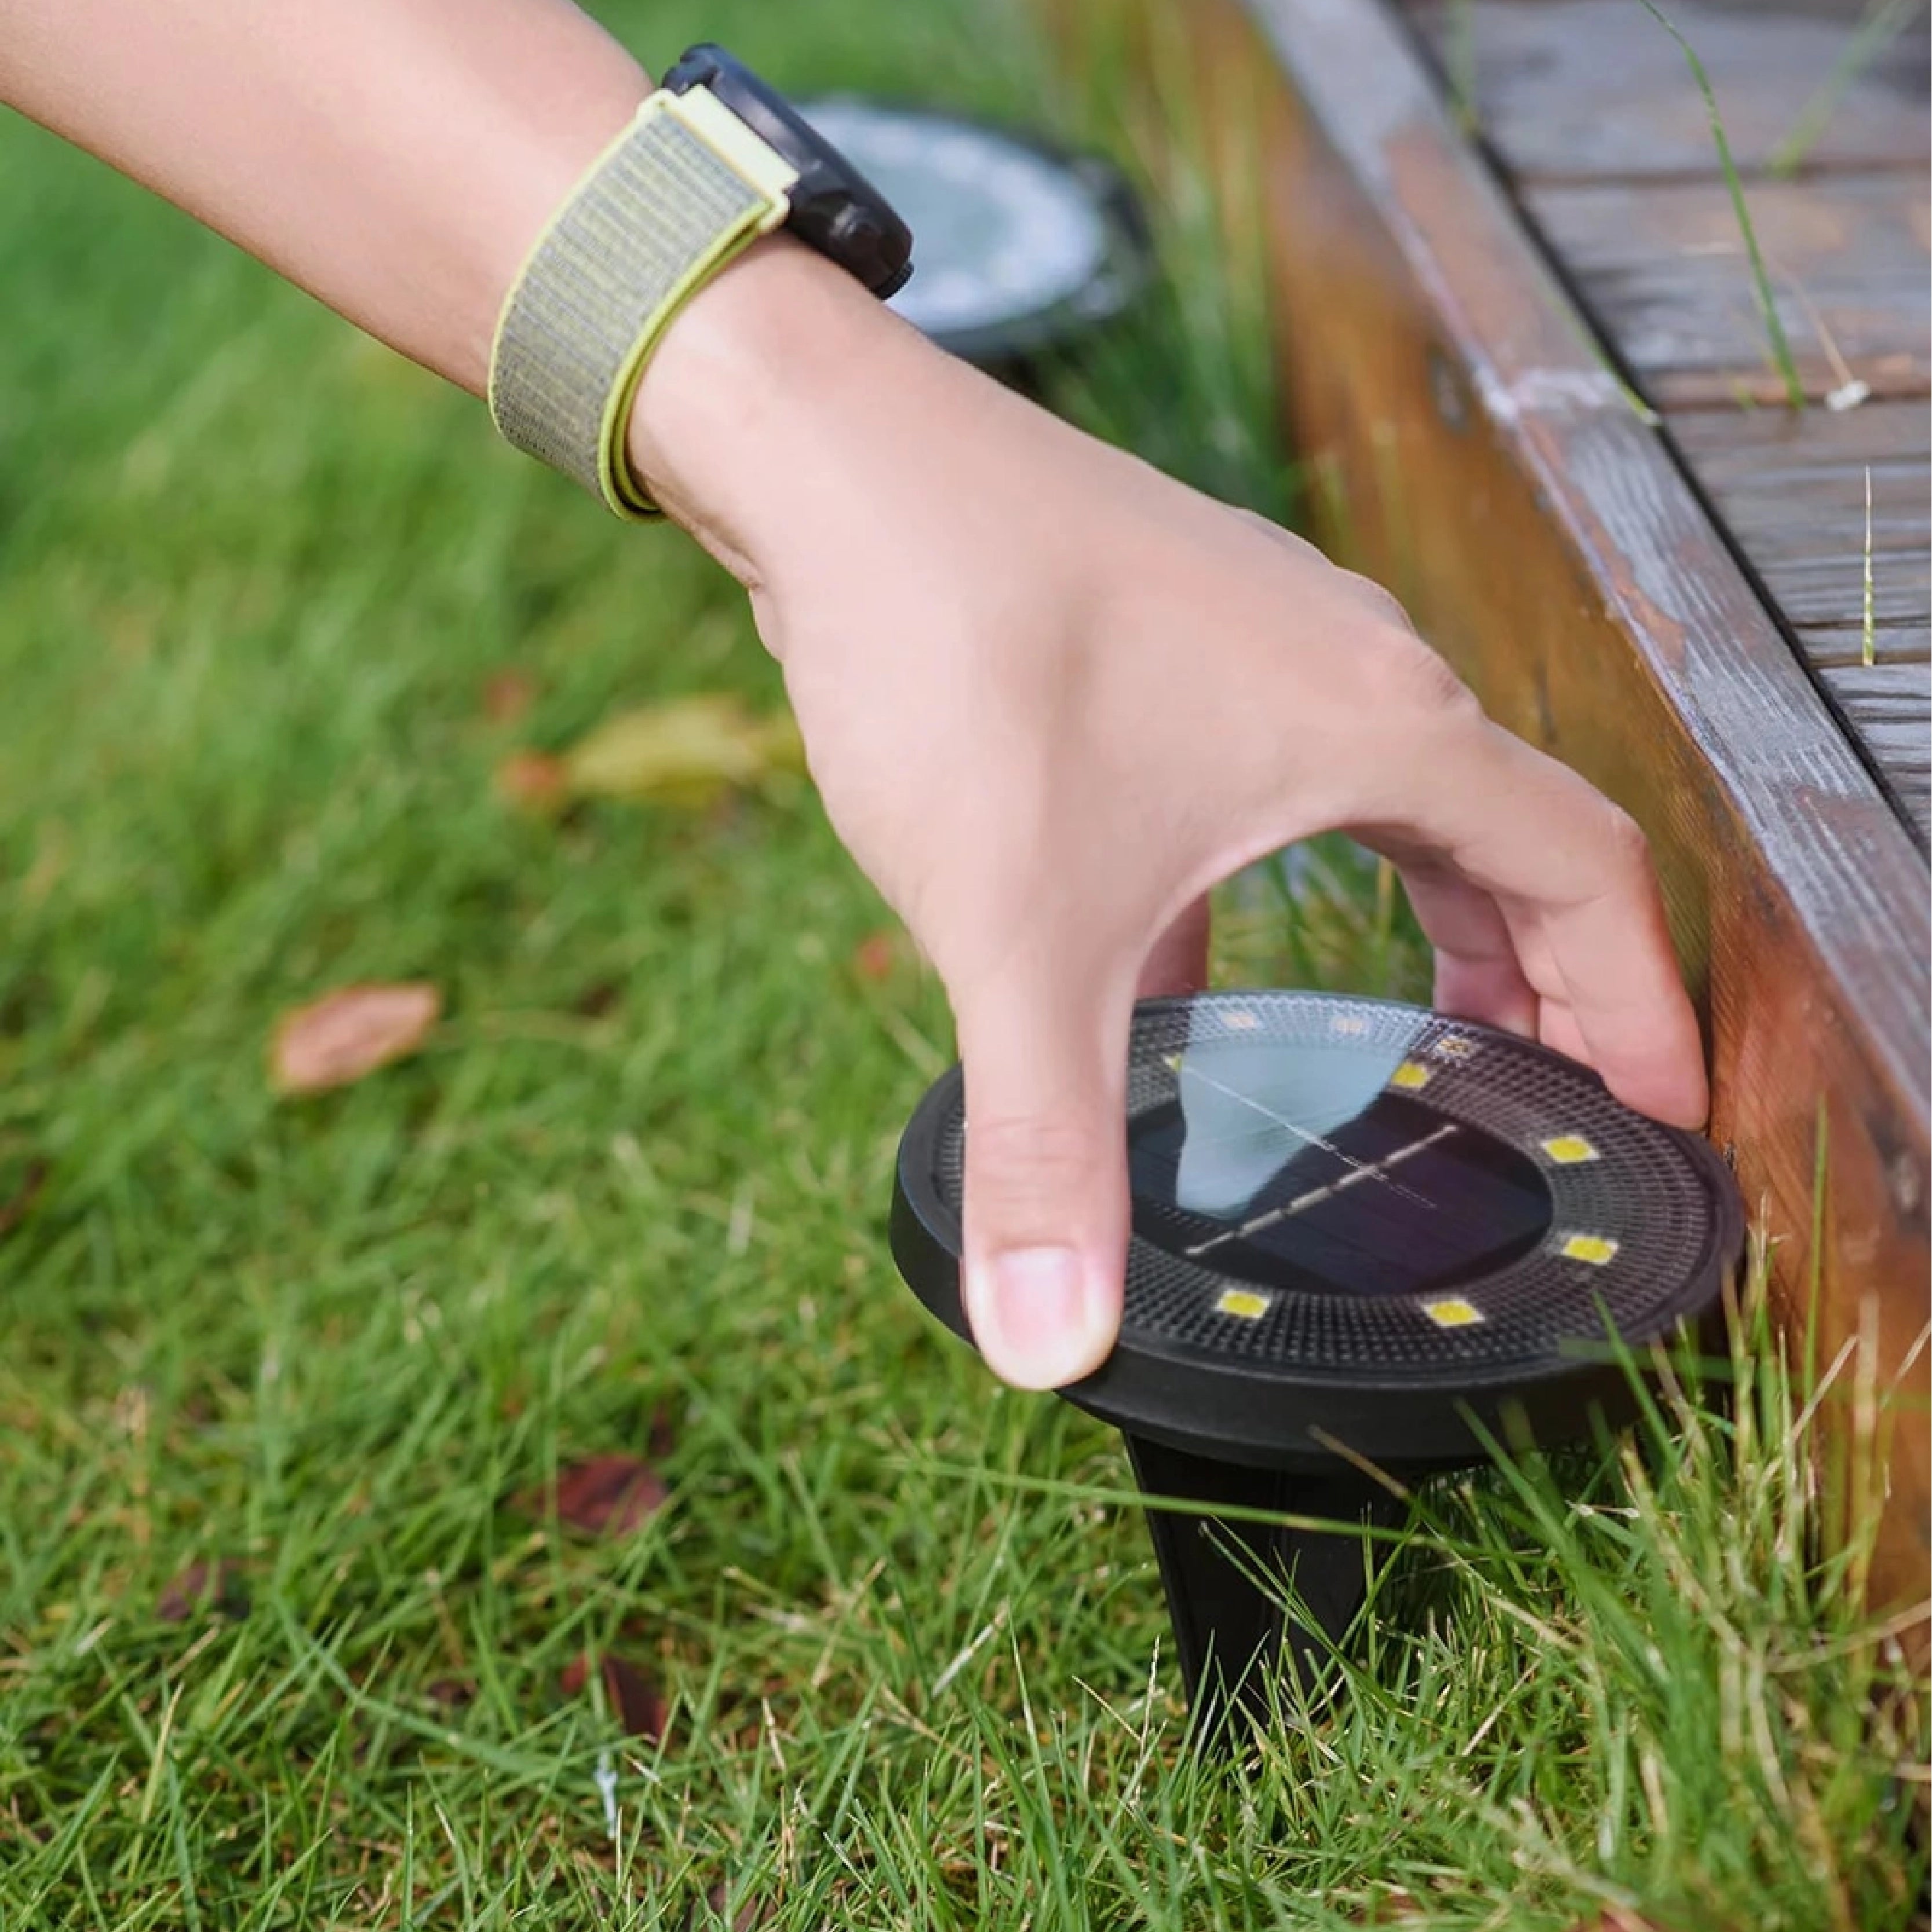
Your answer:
<point x="450" y="1693"/>
<point x="533" y="782"/>
<point x="875" y="955"/>
<point x="20" y="1204"/>
<point x="634" y="1700"/>
<point x="1394" y="1907"/>
<point x="749" y="1916"/>
<point x="609" y="1495"/>
<point x="335" y="1040"/>
<point x="215" y="1588"/>
<point x="686" y="751"/>
<point x="507" y="695"/>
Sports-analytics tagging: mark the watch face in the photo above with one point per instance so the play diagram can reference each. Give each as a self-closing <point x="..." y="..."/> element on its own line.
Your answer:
<point x="1364" y="1219"/>
<point x="1020" y="248"/>
<point x="834" y="209"/>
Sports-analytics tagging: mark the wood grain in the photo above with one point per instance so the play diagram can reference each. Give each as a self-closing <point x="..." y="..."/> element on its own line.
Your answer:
<point x="1662" y="266"/>
<point x="1586" y="88"/>
<point x="1790" y="488"/>
<point x="1477" y="459"/>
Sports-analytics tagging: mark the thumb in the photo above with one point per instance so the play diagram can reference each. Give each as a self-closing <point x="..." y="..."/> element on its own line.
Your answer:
<point x="1045" y="1181"/>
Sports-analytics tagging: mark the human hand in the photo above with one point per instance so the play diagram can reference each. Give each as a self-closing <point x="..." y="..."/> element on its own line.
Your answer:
<point x="1050" y="697"/>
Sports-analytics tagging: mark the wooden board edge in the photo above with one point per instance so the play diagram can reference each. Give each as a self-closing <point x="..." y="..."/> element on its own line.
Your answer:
<point x="1477" y="455"/>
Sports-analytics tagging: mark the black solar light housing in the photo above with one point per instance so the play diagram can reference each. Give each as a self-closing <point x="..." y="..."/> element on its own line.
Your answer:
<point x="1025" y="248"/>
<point x="1365" y="1236"/>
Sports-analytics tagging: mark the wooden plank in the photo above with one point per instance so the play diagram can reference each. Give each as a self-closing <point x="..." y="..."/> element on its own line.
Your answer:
<point x="1662" y="266"/>
<point x="1889" y="706"/>
<point x="1790" y="488"/>
<point x="1575" y="88"/>
<point x="1481" y="463"/>
<point x="1829" y="646"/>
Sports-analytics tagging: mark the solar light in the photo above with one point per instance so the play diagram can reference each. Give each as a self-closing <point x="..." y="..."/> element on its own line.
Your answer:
<point x="1365" y="1237"/>
<point x="1022" y="248"/>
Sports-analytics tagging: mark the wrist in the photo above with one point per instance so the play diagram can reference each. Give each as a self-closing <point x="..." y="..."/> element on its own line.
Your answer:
<point x="750" y="405"/>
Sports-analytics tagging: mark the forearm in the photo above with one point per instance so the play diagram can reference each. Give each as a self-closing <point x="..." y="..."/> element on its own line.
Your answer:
<point x="397" y="158"/>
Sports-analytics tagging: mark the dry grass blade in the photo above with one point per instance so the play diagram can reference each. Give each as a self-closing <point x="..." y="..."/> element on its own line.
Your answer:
<point x="1868" y="650"/>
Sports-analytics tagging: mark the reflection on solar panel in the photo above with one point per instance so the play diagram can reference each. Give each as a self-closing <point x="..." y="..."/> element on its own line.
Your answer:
<point x="1398" y="1201"/>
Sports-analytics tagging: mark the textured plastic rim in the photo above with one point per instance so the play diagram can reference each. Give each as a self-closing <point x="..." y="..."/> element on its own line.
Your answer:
<point x="1386" y="1377"/>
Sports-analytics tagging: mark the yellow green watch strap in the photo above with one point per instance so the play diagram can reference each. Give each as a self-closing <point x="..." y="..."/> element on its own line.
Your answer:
<point x="682" y="190"/>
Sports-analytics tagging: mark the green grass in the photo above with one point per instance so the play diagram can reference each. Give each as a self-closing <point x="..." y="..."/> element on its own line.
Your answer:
<point x="1882" y="22"/>
<point x="1778" y="343"/>
<point x="254" y="576"/>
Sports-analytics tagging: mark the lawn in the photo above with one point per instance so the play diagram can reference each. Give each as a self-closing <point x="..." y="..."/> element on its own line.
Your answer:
<point x="274" y="611"/>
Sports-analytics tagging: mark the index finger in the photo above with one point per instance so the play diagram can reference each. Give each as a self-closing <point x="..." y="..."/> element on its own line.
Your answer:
<point x="1572" y="874"/>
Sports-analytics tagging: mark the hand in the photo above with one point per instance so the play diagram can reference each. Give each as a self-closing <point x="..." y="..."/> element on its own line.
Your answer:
<point x="1050" y="697"/>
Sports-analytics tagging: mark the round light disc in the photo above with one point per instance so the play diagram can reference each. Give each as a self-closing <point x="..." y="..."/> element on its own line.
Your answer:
<point x="1361" y="1226"/>
<point x="1019" y="248"/>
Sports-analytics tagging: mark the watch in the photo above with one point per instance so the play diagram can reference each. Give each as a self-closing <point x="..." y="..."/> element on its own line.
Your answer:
<point x="714" y="158"/>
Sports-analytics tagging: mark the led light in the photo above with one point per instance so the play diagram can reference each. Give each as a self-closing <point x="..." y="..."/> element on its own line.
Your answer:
<point x="1454" y="1046"/>
<point x="1241" y="1020"/>
<point x="1243" y="1302"/>
<point x="1452" y="1312"/>
<point x="1411" y="1076"/>
<point x="1594" y="1248"/>
<point x="1566" y="1150"/>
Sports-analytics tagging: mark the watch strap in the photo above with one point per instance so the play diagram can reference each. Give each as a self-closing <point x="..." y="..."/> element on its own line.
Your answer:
<point x="685" y="188"/>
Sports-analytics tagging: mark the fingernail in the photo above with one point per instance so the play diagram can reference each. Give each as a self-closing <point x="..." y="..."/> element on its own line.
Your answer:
<point x="1037" y="1320"/>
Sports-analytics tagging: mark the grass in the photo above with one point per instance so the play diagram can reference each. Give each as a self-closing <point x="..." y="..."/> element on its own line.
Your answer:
<point x="1882" y="24"/>
<point x="257" y="576"/>
<point x="1761" y="287"/>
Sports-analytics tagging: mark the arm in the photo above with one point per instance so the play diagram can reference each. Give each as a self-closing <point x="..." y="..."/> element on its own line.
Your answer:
<point x="395" y="157"/>
<point x="1050" y="696"/>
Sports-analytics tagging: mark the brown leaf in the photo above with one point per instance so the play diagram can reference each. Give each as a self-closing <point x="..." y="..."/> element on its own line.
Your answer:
<point x="609" y="1495"/>
<point x="749" y="1916"/>
<point x="450" y="1693"/>
<point x="875" y="955"/>
<point x="349" y="1032"/>
<point x="215" y="1588"/>
<point x="686" y="751"/>
<point x="533" y="782"/>
<point x="1391" y="1909"/>
<point x="634" y="1700"/>
<point x="507" y="695"/>
<point x="19" y="1204"/>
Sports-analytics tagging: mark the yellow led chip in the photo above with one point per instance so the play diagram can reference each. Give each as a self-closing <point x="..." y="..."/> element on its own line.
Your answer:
<point x="1452" y="1313"/>
<point x="1566" y="1150"/>
<point x="1243" y="1302"/>
<point x="1348" y="1023"/>
<point x="1454" y="1046"/>
<point x="1239" y="1021"/>
<point x="1594" y="1248"/>
<point x="1412" y="1075"/>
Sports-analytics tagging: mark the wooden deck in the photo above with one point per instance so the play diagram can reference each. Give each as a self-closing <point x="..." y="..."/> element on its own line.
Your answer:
<point x="1670" y="598"/>
<point x="1589" y="111"/>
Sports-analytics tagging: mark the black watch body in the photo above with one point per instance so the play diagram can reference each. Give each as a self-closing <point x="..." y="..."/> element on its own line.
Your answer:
<point x="834" y="208"/>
